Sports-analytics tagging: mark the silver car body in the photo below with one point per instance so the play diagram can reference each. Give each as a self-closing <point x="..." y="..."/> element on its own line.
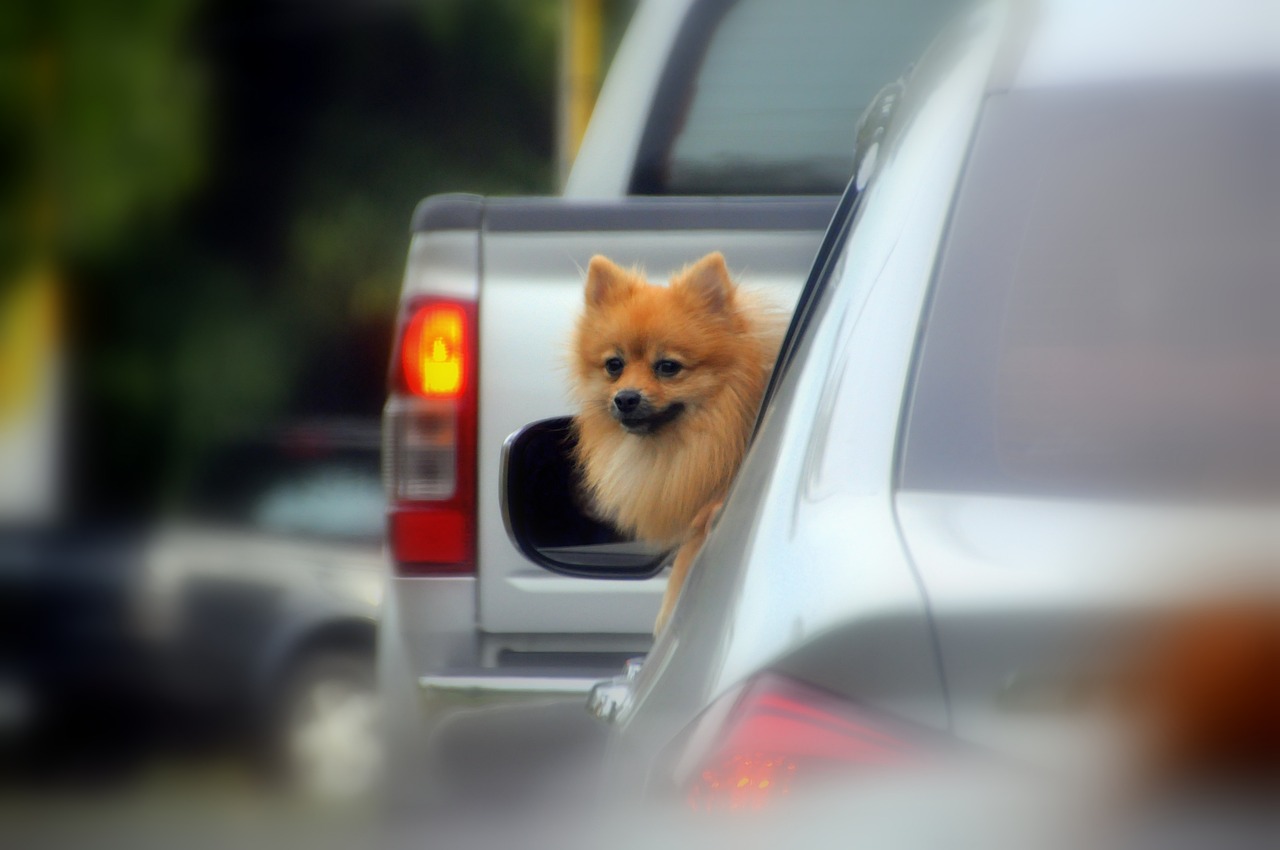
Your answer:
<point x="963" y="612"/>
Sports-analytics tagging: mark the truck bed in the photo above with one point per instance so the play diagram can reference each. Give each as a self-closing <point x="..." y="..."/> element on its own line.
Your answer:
<point x="523" y="261"/>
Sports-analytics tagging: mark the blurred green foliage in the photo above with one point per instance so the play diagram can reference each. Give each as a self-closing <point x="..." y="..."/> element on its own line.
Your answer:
<point x="224" y="188"/>
<point x="99" y="122"/>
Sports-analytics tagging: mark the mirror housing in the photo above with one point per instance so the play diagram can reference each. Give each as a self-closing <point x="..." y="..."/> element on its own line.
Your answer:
<point x="546" y="517"/>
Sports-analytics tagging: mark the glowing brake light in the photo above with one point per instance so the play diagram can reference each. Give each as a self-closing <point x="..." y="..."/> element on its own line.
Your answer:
<point x="429" y="432"/>
<point x="433" y="353"/>
<point x="780" y="734"/>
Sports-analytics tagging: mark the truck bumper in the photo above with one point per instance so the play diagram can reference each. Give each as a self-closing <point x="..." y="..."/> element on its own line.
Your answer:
<point x="442" y="678"/>
<point x="427" y="624"/>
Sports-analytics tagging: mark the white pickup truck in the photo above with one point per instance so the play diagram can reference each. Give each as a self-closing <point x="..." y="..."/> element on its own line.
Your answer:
<point x="723" y="125"/>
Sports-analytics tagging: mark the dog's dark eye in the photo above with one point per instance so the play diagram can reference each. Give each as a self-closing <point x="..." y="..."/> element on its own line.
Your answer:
<point x="666" y="368"/>
<point x="614" y="366"/>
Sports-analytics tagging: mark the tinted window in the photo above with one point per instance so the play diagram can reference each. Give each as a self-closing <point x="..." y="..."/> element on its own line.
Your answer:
<point x="1107" y="306"/>
<point x="303" y="490"/>
<point x="768" y="103"/>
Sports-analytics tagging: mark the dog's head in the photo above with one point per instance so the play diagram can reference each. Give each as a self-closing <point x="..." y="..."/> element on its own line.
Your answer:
<point x="649" y="356"/>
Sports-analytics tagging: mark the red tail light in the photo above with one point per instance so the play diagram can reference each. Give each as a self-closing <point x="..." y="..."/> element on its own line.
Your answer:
<point x="430" y="440"/>
<point x="778" y="733"/>
<point x="433" y="353"/>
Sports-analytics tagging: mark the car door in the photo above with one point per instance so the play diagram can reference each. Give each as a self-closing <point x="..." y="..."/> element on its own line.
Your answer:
<point x="1092" y="414"/>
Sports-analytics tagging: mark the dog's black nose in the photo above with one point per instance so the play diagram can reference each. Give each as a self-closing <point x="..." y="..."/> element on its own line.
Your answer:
<point x="627" y="401"/>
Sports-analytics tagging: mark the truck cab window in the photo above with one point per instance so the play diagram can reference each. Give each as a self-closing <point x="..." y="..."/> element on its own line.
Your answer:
<point x="766" y="98"/>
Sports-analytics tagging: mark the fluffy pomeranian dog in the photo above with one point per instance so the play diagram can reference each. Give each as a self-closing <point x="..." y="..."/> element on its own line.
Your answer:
<point x="668" y="381"/>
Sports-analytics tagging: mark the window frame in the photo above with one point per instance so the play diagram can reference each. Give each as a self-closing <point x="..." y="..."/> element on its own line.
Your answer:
<point x="674" y="94"/>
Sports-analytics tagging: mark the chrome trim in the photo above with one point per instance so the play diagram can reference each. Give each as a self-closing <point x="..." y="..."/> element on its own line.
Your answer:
<point x="609" y="698"/>
<point x="504" y="687"/>
<point x="631" y="669"/>
<point x="447" y="699"/>
<point x="502" y="480"/>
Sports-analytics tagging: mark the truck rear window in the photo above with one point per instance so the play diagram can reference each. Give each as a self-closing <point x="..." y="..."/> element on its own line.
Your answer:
<point x="1106" y="314"/>
<point x="766" y="96"/>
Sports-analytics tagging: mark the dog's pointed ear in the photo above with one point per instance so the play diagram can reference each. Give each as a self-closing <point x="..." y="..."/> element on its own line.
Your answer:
<point x="708" y="280"/>
<point x="605" y="281"/>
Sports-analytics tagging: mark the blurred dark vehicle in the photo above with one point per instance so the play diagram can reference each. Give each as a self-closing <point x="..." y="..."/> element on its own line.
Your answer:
<point x="247" y="619"/>
<point x="69" y="666"/>
<point x="257" y="609"/>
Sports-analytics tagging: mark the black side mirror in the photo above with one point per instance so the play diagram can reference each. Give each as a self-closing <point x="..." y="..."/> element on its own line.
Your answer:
<point x="545" y="516"/>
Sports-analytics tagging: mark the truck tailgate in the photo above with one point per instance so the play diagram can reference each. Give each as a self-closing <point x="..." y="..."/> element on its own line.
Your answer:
<point x="532" y="256"/>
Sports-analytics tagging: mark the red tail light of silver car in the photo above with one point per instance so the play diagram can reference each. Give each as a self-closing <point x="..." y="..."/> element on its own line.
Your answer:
<point x="775" y="735"/>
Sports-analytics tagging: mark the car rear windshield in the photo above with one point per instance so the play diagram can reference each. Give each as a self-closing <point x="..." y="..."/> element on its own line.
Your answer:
<point x="768" y="102"/>
<point x="1106" y="310"/>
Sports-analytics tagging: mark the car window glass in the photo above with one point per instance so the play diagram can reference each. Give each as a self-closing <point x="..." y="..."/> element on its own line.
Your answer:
<point x="299" y="490"/>
<point x="331" y="500"/>
<point x="774" y="103"/>
<point x="1106" y="313"/>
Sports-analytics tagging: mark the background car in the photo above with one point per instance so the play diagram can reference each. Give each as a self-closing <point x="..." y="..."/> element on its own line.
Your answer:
<point x="259" y="606"/>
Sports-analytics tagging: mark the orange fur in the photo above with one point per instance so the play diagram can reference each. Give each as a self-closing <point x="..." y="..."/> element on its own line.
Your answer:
<point x="698" y="531"/>
<point x="1211" y="689"/>
<point x="651" y="486"/>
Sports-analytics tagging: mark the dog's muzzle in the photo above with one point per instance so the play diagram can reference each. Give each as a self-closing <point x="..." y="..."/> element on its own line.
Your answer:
<point x="637" y="415"/>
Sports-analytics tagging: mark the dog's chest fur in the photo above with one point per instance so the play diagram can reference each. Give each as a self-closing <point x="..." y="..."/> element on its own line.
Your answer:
<point x="651" y="486"/>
